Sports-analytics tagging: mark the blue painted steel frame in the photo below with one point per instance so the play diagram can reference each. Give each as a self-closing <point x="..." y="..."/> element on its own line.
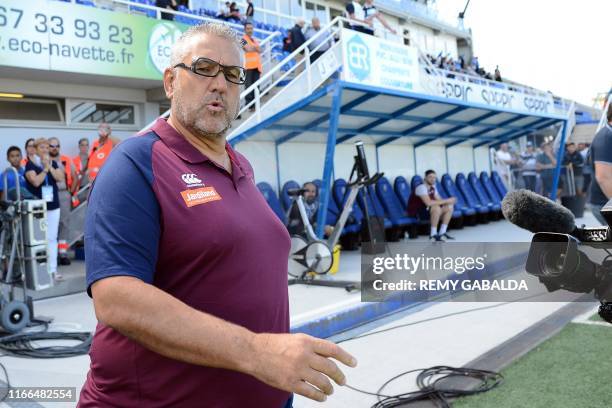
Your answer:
<point x="329" y="160"/>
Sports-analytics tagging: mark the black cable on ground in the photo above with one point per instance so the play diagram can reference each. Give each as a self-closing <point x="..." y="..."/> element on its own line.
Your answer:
<point x="22" y="344"/>
<point x="429" y="379"/>
<point x="430" y="383"/>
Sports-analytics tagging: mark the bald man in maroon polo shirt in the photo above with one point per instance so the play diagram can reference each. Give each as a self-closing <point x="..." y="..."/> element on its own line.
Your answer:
<point x="187" y="264"/>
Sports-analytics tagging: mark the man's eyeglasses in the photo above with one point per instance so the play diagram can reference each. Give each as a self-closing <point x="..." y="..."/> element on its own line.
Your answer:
<point x="54" y="146"/>
<point x="209" y="68"/>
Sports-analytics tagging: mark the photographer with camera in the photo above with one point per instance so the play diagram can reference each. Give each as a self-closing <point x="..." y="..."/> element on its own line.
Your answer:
<point x="601" y="157"/>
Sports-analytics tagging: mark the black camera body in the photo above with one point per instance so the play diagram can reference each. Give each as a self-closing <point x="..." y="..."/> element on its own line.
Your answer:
<point x="559" y="263"/>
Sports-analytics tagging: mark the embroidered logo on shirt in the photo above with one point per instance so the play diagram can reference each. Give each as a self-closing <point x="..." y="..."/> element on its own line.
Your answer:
<point x="191" y="179"/>
<point x="200" y="196"/>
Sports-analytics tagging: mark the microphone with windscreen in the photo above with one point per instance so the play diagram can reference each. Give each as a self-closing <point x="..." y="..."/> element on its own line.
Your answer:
<point x="536" y="213"/>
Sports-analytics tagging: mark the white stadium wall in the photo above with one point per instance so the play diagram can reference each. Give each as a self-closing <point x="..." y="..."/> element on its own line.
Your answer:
<point x="396" y="160"/>
<point x="304" y="161"/>
<point x="262" y="158"/>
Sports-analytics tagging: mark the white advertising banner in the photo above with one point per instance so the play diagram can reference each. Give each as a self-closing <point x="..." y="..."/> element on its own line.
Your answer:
<point x="494" y="97"/>
<point x="368" y="60"/>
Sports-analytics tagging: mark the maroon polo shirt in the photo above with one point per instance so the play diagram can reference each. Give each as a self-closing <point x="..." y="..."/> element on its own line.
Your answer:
<point x="164" y="213"/>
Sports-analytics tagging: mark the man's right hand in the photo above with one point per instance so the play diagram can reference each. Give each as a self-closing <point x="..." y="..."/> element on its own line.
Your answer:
<point x="299" y="363"/>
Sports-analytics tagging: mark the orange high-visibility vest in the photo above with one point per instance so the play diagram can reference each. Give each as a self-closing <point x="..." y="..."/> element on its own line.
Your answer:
<point x="78" y="166"/>
<point x="67" y="163"/>
<point x="252" y="59"/>
<point x="97" y="157"/>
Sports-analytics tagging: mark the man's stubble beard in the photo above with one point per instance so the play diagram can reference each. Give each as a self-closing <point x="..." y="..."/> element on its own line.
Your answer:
<point x="195" y="122"/>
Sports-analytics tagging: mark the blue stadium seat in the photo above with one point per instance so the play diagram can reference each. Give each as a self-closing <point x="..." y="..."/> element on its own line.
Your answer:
<point x="449" y="187"/>
<point x="391" y="204"/>
<point x="414" y="183"/>
<point x="402" y="190"/>
<point x="375" y="209"/>
<point x="486" y="182"/>
<point x="470" y="197"/>
<point x="86" y="3"/>
<point x="457" y="213"/>
<point x="285" y="199"/>
<point x="482" y="196"/>
<point x="416" y="180"/>
<point x="499" y="184"/>
<point x="268" y="192"/>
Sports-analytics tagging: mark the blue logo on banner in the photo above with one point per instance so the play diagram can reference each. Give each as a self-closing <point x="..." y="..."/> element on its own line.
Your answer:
<point x="358" y="57"/>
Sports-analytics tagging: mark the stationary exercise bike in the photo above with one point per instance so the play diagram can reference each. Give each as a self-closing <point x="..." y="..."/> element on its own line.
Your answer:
<point x="311" y="257"/>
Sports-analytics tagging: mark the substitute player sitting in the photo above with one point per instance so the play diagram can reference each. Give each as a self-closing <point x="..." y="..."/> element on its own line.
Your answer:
<point x="427" y="202"/>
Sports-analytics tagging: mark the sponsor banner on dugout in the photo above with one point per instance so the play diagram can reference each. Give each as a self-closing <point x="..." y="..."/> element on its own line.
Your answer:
<point x="372" y="61"/>
<point x="58" y="36"/>
<point x="495" y="95"/>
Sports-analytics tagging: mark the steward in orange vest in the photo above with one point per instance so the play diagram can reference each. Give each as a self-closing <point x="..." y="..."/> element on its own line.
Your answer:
<point x="100" y="151"/>
<point x="252" y="56"/>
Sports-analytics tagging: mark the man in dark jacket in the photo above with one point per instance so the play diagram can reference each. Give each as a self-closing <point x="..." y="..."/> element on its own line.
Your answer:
<point x="297" y="39"/>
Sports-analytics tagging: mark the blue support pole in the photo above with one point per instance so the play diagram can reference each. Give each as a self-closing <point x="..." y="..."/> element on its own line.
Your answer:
<point x="414" y="147"/>
<point x="446" y="156"/>
<point x="278" y="177"/>
<point x="377" y="160"/>
<point x="560" y="154"/>
<point x="329" y="160"/>
<point x="474" y="159"/>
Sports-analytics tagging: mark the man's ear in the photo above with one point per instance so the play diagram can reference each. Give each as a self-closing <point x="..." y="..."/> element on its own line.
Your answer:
<point x="169" y="78"/>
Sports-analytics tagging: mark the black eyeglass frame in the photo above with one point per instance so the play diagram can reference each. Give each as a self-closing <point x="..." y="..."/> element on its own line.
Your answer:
<point x="222" y="67"/>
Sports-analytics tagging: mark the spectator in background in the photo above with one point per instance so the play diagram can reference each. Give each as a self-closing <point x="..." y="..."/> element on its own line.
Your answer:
<point x="234" y="14"/>
<point x="601" y="158"/>
<point x="100" y="150"/>
<point x="545" y="165"/>
<point x="426" y="203"/>
<point x="354" y="11"/>
<point x="573" y="159"/>
<point x="252" y="61"/>
<point x="297" y="39"/>
<point x="64" y="189"/>
<point x="583" y="149"/>
<point x="168" y="5"/>
<point x="224" y="13"/>
<point x="529" y="172"/>
<point x="250" y="12"/>
<point x="42" y="175"/>
<point x="319" y="45"/>
<point x="80" y="162"/>
<point x="503" y="161"/>
<point x="295" y="225"/>
<point x="13" y="156"/>
<point x="371" y="13"/>
<point x="30" y="151"/>
<point x="498" y="77"/>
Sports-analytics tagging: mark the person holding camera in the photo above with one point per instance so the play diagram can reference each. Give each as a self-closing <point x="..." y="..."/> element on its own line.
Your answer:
<point x="42" y="175"/>
<point x="601" y="158"/>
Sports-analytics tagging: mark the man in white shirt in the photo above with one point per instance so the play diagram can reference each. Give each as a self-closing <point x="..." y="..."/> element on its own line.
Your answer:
<point x="503" y="160"/>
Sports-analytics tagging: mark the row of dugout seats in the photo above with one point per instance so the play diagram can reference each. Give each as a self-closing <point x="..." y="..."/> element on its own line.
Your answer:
<point x="478" y="201"/>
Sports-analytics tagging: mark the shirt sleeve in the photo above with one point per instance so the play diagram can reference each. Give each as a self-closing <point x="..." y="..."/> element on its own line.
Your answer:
<point x="602" y="148"/>
<point x="122" y="227"/>
<point x="421" y="190"/>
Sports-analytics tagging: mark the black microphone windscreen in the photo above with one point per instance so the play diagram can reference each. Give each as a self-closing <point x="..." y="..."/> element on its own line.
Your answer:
<point x="536" y="213"/>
